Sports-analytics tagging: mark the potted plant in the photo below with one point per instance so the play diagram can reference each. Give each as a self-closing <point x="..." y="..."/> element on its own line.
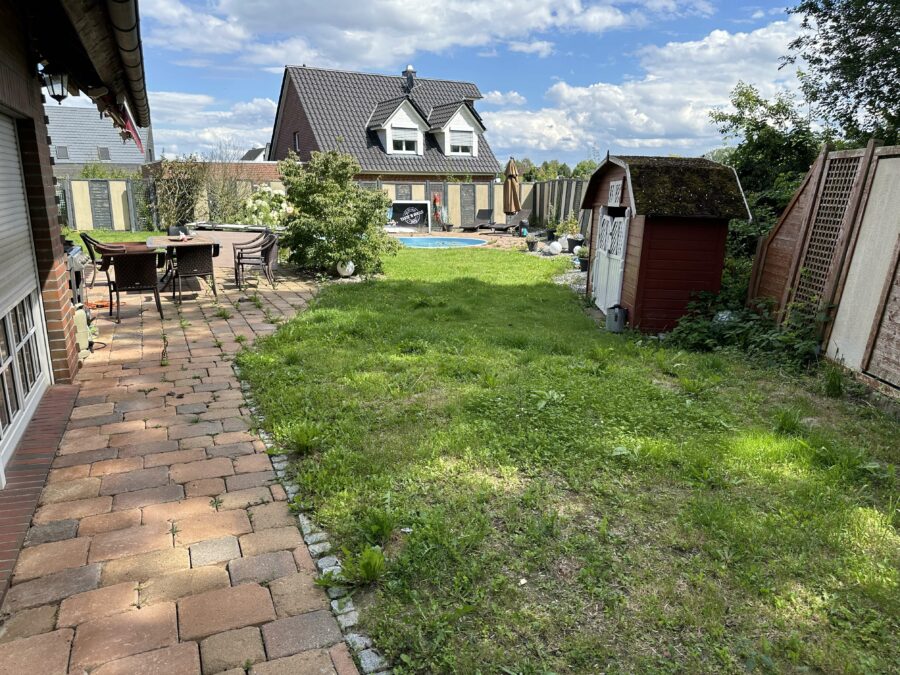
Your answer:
<point x="531" y="242"/>
<point x="584" y="258"/>
<point x="569" y="228"/>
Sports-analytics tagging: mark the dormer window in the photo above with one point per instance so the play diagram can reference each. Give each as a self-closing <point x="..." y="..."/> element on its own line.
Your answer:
<point x="462" y="142"/>
<point x="405" y="140"/>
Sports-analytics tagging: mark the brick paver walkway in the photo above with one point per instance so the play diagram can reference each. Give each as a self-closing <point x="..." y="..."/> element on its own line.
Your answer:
<point x="161" y="542"/>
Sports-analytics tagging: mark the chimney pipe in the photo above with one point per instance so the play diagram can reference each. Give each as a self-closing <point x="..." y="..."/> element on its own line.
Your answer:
<point x="410" y="74"/>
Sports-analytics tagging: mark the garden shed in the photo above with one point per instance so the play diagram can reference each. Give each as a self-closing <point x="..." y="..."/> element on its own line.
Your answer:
<point x="657" y="234"/>
<point x="835" y="254"/>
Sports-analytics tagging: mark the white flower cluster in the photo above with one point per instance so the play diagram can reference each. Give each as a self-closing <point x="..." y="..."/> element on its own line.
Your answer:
<point x="266" y="207"/>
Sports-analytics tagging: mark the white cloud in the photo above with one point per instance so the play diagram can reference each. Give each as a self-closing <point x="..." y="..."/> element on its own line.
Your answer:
<point x="666" y="109"/>
<point x="185" y="123"/>
<point x="542" y="48"/>
<point x="382" y="33"/>
<point x="503" y="99"/>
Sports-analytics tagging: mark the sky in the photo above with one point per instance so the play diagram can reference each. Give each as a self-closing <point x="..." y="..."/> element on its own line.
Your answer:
<point x="561" y="79"/>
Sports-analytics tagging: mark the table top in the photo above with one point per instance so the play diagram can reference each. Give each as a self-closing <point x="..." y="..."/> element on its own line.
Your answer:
<point x="175" y="242"/>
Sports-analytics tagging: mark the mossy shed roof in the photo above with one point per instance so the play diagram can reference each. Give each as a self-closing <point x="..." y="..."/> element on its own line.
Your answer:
<point x="676" y="186"/>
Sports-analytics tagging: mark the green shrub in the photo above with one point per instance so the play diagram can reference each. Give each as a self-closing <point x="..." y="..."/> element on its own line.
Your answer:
<point x="333" y="219"/>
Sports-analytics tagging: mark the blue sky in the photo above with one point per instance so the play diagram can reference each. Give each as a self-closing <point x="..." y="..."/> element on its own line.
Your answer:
<point x="561" y="78"/>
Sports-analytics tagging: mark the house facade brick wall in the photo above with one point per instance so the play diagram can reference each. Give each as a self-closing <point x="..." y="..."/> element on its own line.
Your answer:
<point x="20" y="98"/>
<point x="293" y="120"/>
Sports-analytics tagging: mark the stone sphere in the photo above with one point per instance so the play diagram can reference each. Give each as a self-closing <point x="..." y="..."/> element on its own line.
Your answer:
<point x="345" y="269"/>
<point x="555" y="248"/>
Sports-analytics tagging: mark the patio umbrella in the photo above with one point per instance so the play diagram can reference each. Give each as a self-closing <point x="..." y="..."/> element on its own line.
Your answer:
<point x="511" y="202"/>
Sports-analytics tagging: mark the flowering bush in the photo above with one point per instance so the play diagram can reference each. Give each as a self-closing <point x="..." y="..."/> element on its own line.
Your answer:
<point x="334" y="219"/>
<point x="266" y="207"/>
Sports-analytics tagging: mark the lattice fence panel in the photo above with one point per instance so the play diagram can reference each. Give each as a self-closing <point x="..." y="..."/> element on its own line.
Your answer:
<point x="826" y="228"/>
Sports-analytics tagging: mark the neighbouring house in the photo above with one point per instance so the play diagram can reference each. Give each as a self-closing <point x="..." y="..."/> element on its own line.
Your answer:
<point x="82" y="136"/>
<point x="658" y="230"/>
<point x="405" y="129"/>
<point x="95" y="48"/>
<point x="256" y="154"/>
<point x="835" y="253"/>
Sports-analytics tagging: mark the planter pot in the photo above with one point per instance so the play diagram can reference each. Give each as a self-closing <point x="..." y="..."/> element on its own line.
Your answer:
<point x="532" y="245"/>
<point x="346" y="269"/>
<point x="448" y="228"/>
<point x="583" y="263"/>
<point x="551" y="235"/>
<point x="573" y="241"/>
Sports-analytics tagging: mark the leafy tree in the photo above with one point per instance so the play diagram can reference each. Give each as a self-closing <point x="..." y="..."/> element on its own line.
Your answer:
<point x="334" y="219"/>
<point x="548" y="170"/>
<point x="584" y="169"/>
<point x="176" y="186"/>
<point x="776" y="148"/>
<point x="853" y="59"/>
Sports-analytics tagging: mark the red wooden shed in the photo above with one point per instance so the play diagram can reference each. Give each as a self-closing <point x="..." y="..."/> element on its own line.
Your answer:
<point x="658" y="231"/>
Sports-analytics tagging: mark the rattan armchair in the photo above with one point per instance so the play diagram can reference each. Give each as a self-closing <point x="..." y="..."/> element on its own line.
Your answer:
<point x="261" y="252"/>
<point x="132" y="271"/>
<point x="193" y="261"/>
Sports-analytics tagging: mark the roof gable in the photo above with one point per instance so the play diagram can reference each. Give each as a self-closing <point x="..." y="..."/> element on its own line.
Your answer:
<point x="676" y="186"/>
<point x="386" y="111"/>
<point x="343" y="107"/>
<point x="442" y="116"/>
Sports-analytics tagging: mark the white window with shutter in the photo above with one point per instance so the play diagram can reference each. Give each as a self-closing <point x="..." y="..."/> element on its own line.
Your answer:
<point x="615" y="193"/>
<point x="462" y="142"/>
<point x="24" y="367"/>
<point x="405" y="140"/>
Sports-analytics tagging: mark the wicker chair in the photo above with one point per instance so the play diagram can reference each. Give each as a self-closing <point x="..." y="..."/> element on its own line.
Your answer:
<point x="261" y="252"/>
<point x="134" y="271"/>
<point x="91" y="246"/>
<point x="193" y="261"/>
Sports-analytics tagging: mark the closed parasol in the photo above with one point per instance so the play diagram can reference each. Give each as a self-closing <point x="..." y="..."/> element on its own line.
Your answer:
<point x="511" y="202"/>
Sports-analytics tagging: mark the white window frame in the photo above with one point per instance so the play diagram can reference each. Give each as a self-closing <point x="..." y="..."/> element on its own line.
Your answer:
<point x="100" y="156"/>
<point x="409" y="146"/>
<point x="469" y="149"/>
<point x="296" y="141"/>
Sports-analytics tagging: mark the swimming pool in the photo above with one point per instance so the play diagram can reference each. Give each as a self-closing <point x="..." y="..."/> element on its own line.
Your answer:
<point x="440" y="242"/>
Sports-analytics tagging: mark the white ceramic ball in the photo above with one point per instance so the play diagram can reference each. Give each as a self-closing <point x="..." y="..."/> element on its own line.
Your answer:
<point x="555" y="248"/>
<point x="576" y="250"/>
<point x="345" y="269"/>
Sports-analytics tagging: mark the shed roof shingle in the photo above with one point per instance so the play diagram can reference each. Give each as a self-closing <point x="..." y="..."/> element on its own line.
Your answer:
<point x="340" y="104"/>
<point x="83" y="130"/>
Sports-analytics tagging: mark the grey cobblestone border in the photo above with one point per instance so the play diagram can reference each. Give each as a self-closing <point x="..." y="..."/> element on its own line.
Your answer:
<point x="370" y="660"/>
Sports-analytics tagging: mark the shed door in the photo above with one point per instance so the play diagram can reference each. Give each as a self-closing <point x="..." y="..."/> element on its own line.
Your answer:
<point x="609" y="261"/>
<point x="23" y="362"/>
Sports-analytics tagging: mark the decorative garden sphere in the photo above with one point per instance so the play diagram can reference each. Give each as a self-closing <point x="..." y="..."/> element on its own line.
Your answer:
<point x="555" y="248"/>
<point x="346" y="268"/>
<point x="576" y="250"/>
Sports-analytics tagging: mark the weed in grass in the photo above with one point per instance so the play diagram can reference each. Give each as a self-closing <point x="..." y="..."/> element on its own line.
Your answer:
<point x="834" y="380"/>
<point x="215" y="502"/>
<point x="377" y="525"/>
<point x="240" y="339"/>
<point x="271" y="317"/>
<point x="223" y="313"/>
<point x="300" y="437"/>
<point x="366" y="568"/>
<point x="184" y="323"/>
<point x="789" y="421"/>
<point x="256" y="300"/>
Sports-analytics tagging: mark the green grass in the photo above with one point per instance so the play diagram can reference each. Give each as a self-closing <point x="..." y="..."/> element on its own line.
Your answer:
<point x="553" y="498"/>
<point x="112" y="236"/>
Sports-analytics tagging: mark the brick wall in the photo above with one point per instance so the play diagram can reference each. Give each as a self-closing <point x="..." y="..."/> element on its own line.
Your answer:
<point x="293" y="118"/>
<point x="20" y="95"/>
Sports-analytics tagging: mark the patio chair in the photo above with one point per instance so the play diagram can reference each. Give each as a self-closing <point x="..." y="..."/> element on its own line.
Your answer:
<point x="91" y="246"/>
<point x="484" y="219"/>
<point x="193" y="261"/>
<point x="261" y="253"/>
<point x="133" y="271"/>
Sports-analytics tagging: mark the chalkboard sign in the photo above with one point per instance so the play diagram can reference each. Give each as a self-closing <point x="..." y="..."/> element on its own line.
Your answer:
<point x="404" y="192"/>
<point x="410" y="214"/>
<point x="467" y="204"/>
<point x="101" y="209"/>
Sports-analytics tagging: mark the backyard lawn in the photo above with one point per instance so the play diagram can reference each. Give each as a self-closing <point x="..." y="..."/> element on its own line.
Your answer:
<point x="552" y="498"/>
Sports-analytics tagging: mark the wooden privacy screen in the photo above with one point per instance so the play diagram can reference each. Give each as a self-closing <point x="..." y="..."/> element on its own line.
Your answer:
<point x="802" y="258"/>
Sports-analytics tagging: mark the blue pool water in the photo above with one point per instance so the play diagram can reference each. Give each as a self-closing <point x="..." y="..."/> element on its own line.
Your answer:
<point x="440" y="242"/>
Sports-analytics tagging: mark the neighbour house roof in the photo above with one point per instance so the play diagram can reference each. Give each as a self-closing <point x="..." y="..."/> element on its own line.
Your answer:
<point x="441" y="114"/>
<point x="677" y="186"/>
<point x="342" y="107"/>
<point x="253" y="155"/>
<point x="81" y="131"/>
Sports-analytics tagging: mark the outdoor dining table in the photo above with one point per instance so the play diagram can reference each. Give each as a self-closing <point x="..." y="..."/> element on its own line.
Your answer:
<point x="170" y="243"/>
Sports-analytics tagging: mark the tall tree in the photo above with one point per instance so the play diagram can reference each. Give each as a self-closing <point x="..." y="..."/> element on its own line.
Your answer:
<point x="853" y="60"/>
<point x="584" y="169"/>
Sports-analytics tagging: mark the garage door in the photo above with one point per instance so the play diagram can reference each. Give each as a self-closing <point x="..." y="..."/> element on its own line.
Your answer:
<point x="23" y="351"/>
